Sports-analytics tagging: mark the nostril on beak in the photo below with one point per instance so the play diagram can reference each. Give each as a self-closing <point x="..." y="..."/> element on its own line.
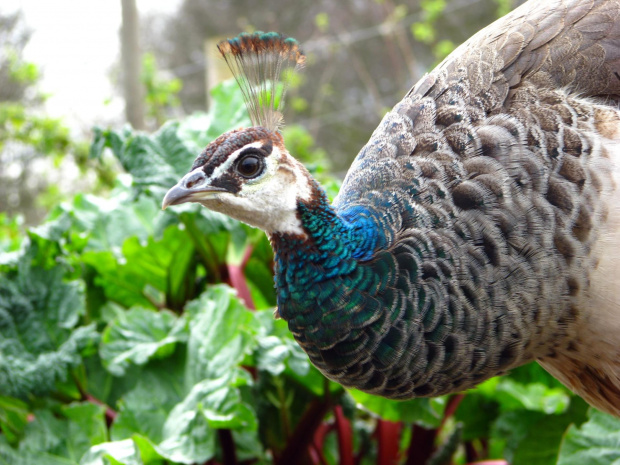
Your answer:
<point x="194" y="179"/>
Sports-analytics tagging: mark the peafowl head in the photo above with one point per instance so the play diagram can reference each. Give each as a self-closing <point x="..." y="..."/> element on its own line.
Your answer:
<point x="247" y="173"/>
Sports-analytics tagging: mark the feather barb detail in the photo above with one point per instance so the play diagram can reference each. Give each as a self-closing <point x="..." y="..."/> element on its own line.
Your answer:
<point x="262" y="64"/>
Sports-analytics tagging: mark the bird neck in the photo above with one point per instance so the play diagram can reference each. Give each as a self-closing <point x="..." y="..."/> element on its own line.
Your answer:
<point x="330" y="249"/>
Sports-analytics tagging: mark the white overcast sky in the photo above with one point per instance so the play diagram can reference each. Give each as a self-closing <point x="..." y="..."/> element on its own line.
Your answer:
<point x="75" y="42"/>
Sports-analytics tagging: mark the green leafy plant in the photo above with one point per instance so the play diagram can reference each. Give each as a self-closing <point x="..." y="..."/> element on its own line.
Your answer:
<point x="161" y="91"/>
<point x="425" y="31"/>
<point x="130" y="335"/>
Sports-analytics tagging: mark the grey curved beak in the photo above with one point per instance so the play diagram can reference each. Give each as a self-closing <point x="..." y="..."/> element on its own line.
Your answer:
<point x="175" y="196"/>
<point x="179" y="194"/>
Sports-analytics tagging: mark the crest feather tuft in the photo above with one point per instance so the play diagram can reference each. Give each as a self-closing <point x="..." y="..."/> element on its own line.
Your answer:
<point x="262" y="63"/>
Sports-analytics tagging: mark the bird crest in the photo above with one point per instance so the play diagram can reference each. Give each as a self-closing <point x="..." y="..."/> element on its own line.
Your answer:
<point x="262" y="63"/>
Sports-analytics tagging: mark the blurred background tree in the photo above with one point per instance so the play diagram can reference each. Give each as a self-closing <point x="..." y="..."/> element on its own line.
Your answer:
<point x="41" y="161"/>
<point x="363" y="55"/>
<point x="24" y="135"/>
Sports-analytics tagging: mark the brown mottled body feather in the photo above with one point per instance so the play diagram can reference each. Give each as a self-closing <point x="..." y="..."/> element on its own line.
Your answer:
<point x="513" y="142"/>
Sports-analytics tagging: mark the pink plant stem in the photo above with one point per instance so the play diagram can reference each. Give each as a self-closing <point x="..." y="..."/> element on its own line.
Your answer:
<point x="345" y="437"/>
<point x="238" y="281"/>
<point x="320" y="433"/>
<point x="388" y="436"/>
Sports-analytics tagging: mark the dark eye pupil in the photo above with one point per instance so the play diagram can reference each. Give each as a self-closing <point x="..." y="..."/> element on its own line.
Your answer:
<point x="249" y="166"/>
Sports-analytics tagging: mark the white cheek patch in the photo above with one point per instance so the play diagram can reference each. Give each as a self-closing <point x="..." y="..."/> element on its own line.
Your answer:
<point x="270" y="201"/>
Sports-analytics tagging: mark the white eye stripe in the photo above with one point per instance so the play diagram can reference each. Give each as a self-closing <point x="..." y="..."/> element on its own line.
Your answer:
<point x="232" y="158"/>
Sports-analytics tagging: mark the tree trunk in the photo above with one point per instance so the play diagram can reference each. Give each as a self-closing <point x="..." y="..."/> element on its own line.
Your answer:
<point x="132" y="63"/>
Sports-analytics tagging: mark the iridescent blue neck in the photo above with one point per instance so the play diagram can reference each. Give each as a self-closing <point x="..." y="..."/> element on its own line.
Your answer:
<point x="309" y="268"/>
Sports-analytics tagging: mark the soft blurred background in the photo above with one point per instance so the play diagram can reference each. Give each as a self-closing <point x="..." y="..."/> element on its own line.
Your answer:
<point x="135" y="336"/>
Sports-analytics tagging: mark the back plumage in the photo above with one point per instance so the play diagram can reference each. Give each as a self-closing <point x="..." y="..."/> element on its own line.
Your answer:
<point x="479" y="228"/>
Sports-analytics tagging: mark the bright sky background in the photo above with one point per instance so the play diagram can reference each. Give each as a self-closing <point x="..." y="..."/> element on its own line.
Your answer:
<point x="76" y="42"/>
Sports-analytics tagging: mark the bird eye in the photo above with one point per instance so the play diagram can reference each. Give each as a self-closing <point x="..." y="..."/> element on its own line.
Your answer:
<point x="249" y="166"/>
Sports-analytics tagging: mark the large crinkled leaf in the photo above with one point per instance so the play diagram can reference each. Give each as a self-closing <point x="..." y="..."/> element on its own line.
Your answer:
<point x="153" y="161"/>
<point x="192" y="440"/>
<point x="476" y="413"/>
<point x="136" y="336"/>
<point x="533" y="437"/>
<point x="533" y="396"/>
<point x="144" y="409"/>
<point x="219" y="340"/>
<point x="38" y="344"/>
<point x="108" y="222"/>
<point x="65" y="433"/>
<point x="158" y="265"/>
<point x="595" y="442"/>
<point x="219" y="334"/>
<point x="13" y="418"/>
<point x="276" y="350"/>
<point x="118" y="452"/>
<point x="424" y="412"/>
<point x="85" y="427"/>
<point x="190" y="430"/>
<point x="10" y="456"/>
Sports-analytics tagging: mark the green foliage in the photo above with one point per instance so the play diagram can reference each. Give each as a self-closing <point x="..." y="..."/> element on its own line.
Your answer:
<point x="161" y="92"/>
<point x="322" y="22"/>
<point x="26" y="134"/>
<point x="122" y="342"/>
<point x="21" y="71"/>
<point x="503" y="7"/>
<point x="596" y="442"/>
<point x="425" y="31"/>
<point x="45" y="135"/>
<point x="10" y="233"/>
<point x="38" y="335"/>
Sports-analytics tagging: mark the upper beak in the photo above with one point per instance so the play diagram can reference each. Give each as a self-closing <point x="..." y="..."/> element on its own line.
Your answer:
<point x="179" y="194"/>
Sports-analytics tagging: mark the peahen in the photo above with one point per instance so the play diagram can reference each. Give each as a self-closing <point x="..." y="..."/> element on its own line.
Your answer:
<point x="477" y="230"/>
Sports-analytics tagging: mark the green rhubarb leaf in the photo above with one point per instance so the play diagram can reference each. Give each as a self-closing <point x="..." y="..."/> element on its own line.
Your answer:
<point x="146" y="269"/>
<point x="148" y="451"/>
<point x="219" y="340"/>
<point x="423" y="411"/>
<point x="153" y="161"/>
<point x="144" y="409"/>
<point x="11" y="456"/>
<point x="219" y="334"/>
<point x="595" y="442"/>
<point x="189" y="439"/>
<point x="108" y="222"/>
<point x="13" y="418"/>
<point x="533" y="396"/>
<point x="277" y="351"/>
<point x="118" y="453"/>
<point x="68" y="431"/>
<point x="476" y="413"/>
<point x="138" y="335"/>
<point x="38" y="342"/>
<point x="533" y="437"/>
<point x="189" y="432"/>
<point x="85" y="427"/>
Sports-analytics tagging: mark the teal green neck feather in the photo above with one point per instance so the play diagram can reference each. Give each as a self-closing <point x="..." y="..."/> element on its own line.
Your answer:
<point x="321" y="272"/>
